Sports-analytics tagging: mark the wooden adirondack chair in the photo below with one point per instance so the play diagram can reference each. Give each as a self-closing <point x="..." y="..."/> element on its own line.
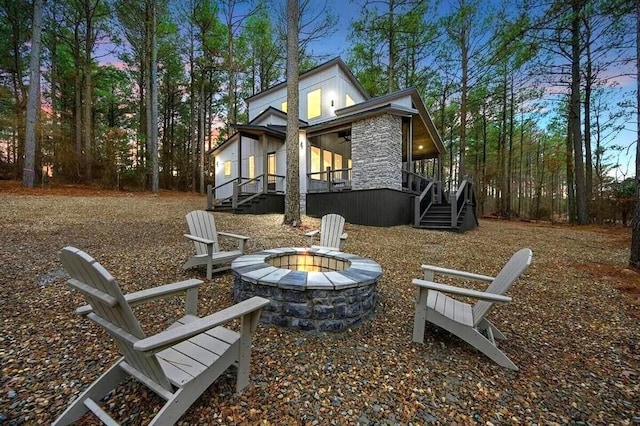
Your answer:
<point x="178" y="364"/>
<point x="331" y="233"/>
<point x="202" y="228"/>
<point x="461" y="319"/>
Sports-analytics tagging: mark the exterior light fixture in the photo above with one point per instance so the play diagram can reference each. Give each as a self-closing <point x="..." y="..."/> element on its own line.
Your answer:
<point x="420" y="147"/>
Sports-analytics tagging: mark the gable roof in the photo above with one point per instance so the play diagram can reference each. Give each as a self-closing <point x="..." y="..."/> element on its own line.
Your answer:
<point x="387" y="101"/>
<point x="277" y="130"/>
<point x="335" y="61"/>
<point x="275" y="112"/>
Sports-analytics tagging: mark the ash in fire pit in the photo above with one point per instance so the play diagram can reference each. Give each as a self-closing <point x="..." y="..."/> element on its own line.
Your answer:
<point x="309" y="289"/>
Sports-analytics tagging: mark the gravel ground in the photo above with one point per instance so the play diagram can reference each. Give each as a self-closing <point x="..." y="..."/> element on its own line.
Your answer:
<point x="572" y="327"/>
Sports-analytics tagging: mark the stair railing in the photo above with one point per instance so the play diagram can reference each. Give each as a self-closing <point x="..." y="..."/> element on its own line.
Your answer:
<point x="244" y="187"/>
<point x="463" y="195"/>
<point x="211" y="192"/>
<point x="424" y="201"/>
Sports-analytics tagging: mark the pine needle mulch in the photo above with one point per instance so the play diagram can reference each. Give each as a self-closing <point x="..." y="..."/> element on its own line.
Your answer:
<point x="572" y="328"/>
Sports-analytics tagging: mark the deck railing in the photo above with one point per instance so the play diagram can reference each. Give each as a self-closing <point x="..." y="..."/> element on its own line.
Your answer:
<point x="414" y="182"/>
<point x="430" y="195"/>
<point x="465" y="194"/>
<point x="211" y="192"/>
<point x="329" y="180"/>
<point x="243" y="186"/>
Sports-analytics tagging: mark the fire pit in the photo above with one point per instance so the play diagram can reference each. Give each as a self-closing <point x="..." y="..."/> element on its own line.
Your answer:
<point x="309" y="288"/>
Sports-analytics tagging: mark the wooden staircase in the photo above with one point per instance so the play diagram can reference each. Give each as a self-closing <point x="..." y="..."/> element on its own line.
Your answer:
<point x="438" y="217"/>
<point x="261" y="204"/>
<point x="434" y="209"/>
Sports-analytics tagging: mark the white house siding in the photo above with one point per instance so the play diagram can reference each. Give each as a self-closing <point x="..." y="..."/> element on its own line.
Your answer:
<point x="347" y="88"/>
<point x="249" y="147"/>
<point x="334" y="84"/>
<point x="226" y="153"/>
<point x="376" y="152"/>
<point x="271" y="119"/>
<point x="304" y="146"/>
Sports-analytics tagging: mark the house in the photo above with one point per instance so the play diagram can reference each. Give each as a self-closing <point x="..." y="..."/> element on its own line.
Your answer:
<point x="358" y="155"/>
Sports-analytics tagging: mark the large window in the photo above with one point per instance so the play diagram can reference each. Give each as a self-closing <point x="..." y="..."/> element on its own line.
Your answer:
<point x="284" y="106"/>
<point x="314" y="104"/>
<point x="227" y="168"/>
<point x="316" y="167"/>
<point x="326" y="160"/>
<point x="252" y="166"/>
<point x="337" y="159"/>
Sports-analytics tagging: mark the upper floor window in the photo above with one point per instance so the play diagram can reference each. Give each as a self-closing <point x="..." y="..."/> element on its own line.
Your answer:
<point x="348" y="101"/>
<point x="227" y="168"/>
<point x="284" y="106"/>
<point x="314" y="103"/>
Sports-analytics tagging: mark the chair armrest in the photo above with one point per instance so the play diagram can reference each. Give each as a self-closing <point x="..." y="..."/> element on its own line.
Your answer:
<point x="174" y="335"/>
<point x="234" y="236"/>
<point x="153" y="293"/>
<point x="241" y="239"/>
<point x="311" y="236"/>
<point x="456" y="273"/>
<point x="199" y="239"/>
<point x="444" y="288"/>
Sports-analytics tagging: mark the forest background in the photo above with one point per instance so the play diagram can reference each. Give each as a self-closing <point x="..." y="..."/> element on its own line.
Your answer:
<point x="534" y="101"/>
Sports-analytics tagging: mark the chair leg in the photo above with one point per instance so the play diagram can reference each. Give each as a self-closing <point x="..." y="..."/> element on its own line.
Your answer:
<point x="486" y="324"/>
<point x="481" y="343"/>
<point x="420" y="316"/>
<point x="98" y="389"/>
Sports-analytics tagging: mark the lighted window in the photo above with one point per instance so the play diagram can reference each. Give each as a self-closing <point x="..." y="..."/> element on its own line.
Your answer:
<point x="314" y="104"/>
<point x="271" y="163"/>
<point x="315" y="165"/>
<point x="348" y="101"/>
<point x="284" y="106"/>
<point x="227" y="168"/>
<point x="326" y="160"/>
<point x="252" y="167"/>
<point x="337" y="160"/>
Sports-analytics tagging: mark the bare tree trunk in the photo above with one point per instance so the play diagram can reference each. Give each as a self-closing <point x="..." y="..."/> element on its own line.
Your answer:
<point x="28" y="171"/>
<point x="292" y="195"/>
<point x="575" y="130"/>
<point x="392" y="50"/>
<point x="464" y="48"/>
<point x="634" y="258"/>
<point x="153" y="75"/>
<point x="201" y="130"/>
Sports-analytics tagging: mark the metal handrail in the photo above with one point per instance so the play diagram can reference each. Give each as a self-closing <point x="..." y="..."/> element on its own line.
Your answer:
<point x="419" y="212"/>
<point x="462" y="197"/>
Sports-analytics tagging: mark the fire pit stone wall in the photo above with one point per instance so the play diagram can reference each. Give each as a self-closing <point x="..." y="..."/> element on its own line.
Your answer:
<point x="309" y="288"/>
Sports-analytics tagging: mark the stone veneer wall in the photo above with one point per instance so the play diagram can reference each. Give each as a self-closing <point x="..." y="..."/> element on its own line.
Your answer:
<point x="376" y="153"/>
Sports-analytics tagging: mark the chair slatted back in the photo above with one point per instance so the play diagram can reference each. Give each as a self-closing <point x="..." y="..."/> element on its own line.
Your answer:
<point x="330" y="230"/>
<point x="110" y="310"/>
<point x="507" y="276"/>
<point x="202" y="224"/>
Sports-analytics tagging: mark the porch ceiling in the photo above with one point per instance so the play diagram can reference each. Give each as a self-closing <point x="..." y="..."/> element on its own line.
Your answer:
<point x="424" y="146"/>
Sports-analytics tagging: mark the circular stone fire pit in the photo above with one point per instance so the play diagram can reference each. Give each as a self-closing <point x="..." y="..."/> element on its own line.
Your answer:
<point x="309" y="288"/>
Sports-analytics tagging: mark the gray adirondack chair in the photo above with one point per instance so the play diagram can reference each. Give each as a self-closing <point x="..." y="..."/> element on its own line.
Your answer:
<point x="203" y="233"/>
<point x="178" y="364"/>
<point x="461" y="319"/>
<point x="332" y="235"/>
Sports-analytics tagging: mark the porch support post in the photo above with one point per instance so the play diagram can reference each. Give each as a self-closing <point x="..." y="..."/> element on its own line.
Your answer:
<point x="265" y="165"/>
<point x="410" y="168"/>
<point x="240" y="156"/>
